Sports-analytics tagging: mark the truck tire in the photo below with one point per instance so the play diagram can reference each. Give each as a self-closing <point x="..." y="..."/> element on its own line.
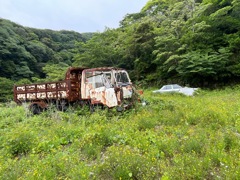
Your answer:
<point x="35" y="109"/>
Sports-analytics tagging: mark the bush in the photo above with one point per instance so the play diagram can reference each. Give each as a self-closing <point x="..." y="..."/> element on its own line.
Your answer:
<point x="20" y="143"/>
<point x="124" y="162"/>
<point x="6" y="86"/>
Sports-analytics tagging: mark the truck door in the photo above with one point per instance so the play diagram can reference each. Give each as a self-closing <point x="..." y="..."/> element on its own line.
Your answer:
<point x="99" y="90"/>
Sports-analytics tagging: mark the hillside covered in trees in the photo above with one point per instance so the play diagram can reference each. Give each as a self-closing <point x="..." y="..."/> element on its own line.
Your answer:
<point x="187" y="41"/>
<point x="193" y="42"/>
<point x="27" y="54"/>
<point x="25" y="51"/>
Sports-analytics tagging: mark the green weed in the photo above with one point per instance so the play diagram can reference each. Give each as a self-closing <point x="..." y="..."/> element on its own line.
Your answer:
<point x="173" y="137"/>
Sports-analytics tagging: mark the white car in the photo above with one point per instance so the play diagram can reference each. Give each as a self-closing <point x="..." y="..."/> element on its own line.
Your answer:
<point x="171" y="88"/>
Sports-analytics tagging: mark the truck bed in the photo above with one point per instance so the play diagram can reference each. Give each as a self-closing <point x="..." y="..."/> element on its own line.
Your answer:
<point x="47" y="91"/>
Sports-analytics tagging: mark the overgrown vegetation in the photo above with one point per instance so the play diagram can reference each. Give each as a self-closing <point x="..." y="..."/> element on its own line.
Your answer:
<point x="174" y="137"/>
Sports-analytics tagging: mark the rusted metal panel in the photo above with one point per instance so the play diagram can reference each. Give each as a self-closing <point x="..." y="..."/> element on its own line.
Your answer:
<point x="127" y="92"/>
<point x="104" y="96"/>
<point x="72" y="70"/>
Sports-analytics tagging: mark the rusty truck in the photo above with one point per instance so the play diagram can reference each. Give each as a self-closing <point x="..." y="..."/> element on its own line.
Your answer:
<point x="105" y="87"/>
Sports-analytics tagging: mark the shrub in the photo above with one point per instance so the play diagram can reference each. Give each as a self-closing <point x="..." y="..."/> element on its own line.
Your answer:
<point x="20" y="143"/>
<point x="146" y="123"/>
<point x="124" y="162"/>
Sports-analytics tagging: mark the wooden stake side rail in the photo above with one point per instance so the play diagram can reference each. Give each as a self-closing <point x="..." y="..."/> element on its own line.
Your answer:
<point x="41" y="91"/>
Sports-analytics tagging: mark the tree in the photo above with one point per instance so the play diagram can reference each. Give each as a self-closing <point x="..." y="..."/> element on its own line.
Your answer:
<point x="100" y="50"/>
<point x="170" y="30"/>
<point x="138" y="48"/>
<point x="55" y="72"/>
<point x="22" y="71"/>
<point x="27" y="49"/>
<point x="6" y="89"/>
<point x="204" y="67"/>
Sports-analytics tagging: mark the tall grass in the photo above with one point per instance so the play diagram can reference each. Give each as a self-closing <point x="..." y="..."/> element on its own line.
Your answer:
<point x="174" y="137"/>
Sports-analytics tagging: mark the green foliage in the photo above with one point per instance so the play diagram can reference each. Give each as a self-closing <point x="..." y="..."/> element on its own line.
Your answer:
<point x="199" y="66"/>
<point x="55" y="72"/>
<point x="19" y="143"/>
<point x="25" y="51"/>
<point x="99" y="50"/>
<point x="172" y="41"/>
<point x="174" y="137"/>
<point x="6" y="87"/>
<point x="23" y="81"/>
<point x="122" y="162"/>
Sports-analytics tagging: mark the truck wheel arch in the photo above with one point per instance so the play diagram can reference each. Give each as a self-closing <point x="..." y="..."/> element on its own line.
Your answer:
<point x="37" y="107"/>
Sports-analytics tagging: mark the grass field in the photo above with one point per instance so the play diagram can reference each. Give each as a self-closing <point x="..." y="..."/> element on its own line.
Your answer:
<point x="174" y="137"/>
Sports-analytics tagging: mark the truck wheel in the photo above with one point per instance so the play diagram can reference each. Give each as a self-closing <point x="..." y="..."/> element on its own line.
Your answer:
<point x="119" y="109"/>
<point x="35" y="109"/>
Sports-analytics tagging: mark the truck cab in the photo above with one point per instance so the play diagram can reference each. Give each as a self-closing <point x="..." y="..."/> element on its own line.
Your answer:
<point x="108" y="86"/>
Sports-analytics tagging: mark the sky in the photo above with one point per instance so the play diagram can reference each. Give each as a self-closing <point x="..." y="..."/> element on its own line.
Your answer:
<point x="77" y="15"/>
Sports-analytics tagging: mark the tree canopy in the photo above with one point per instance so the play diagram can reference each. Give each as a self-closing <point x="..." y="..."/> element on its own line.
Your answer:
<point x="187" y="41"/>
<point x="25" y="51"/>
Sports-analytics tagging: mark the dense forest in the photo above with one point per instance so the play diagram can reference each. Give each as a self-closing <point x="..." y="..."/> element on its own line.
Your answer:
<point x="189" y="41"/>
<point x="31" y="55"/>
<point x="25" y="51"/>
<point x="194" y="42"/>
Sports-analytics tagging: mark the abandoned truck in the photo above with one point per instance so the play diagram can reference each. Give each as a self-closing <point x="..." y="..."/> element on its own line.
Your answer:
<point x="106" y="86"/>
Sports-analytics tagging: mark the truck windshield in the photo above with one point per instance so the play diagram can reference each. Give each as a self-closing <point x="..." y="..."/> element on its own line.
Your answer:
<point x="98" y="79"/>
<point x="107" y="78"/>
<point x="122" y="77"/>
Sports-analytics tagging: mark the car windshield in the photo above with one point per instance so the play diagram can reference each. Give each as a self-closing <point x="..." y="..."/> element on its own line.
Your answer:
<point x="166" y="87"/>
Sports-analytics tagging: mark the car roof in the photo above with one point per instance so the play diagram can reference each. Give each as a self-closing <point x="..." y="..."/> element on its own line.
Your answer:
<point x="171" y="84"/>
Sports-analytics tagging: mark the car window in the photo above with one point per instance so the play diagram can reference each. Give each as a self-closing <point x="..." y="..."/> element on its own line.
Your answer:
<point x="163" y="88"/>
<point x="175" y="86"/>
<point x="168" y="87"/>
